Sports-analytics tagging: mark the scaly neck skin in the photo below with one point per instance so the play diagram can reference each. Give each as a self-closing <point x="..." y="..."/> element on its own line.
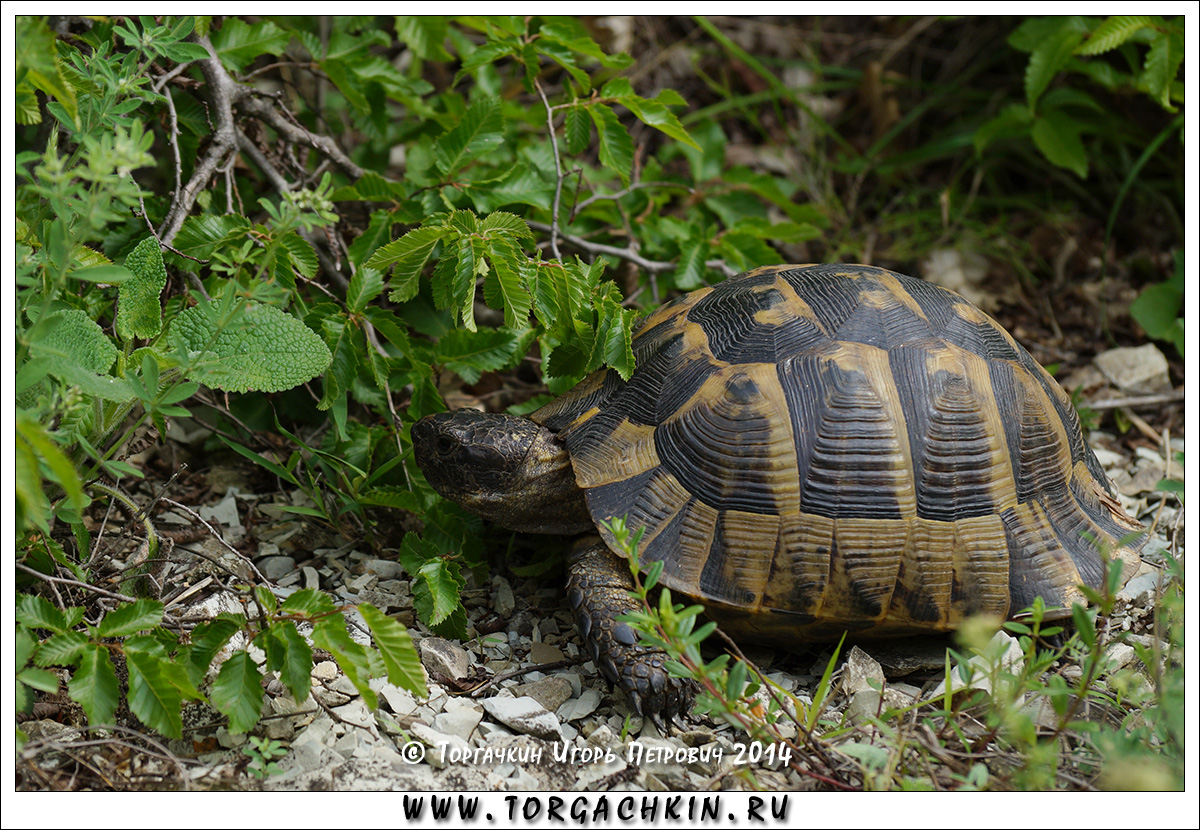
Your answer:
<point x="503" y="468"/>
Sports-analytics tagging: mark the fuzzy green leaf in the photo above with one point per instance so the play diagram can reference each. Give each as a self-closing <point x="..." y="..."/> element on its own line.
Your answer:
<point x="152" y="698"/>
<point x="139" y="308"/>
<point x="480" y="131"/>
<point x="78" y="341"/>
<point x="237" y="691"/>
<point x="396" y="647"/>
<point x="616" y="146"/>
<point x="257" y="347"/>
<point x="94" y="685"/>
<point x="1112" y="33"/>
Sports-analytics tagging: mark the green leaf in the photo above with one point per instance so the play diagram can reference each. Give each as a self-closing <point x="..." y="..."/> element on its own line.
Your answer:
<point x="106" y="274"/>
<point x="343" y="368"/>
<point x="408" y="254"/>
<point x="77" y="341"/>
<point x="1162" y="64"/>
<point x="139" y="308"/>
<point x="521" y="186"/>
<point x="508" y="280"/>
<point x="35" y="58"/>
<point x="1112" y="33"/>
<point x="44" y="449"/>
<point x="1047" y="60"/>
<point x="365" y="285"/>
<point x="238" y="43"/>
<point x="237" y="692"/>
<point x="308" y="602"/>
<point x="330" y="634"/>
<point x="616" y="146"/>
<point x="299" y="254"/>
<point x="61" y="649"/>
<point x="1157" y="308"/>
<point x="183" y="52"/>
<point x="441" y="582"/>
<point x="655" y="114"/>
<point x="480" y="131"/>
<point x="578" y="129"/>
<point x="295" y="665"/>
<point x="396" y="647"/>
<point x="152" y="698"/>
<point x="1056" y="134"/>
<point x="424" y="34"/>
<point x="130" y="619"/>
<point x="469" y="354"/>
<point x="201" y="235"/>
<point x="95" y="686"/>
<point x="255" y="347"/>
<point x="208" y="638"/>
<point x="35" y="612"/>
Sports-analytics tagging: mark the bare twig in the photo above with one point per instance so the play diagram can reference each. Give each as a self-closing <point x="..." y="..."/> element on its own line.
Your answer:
<point x="74" y="584"/>
<point x="298" y="134"/>
<point x="250" y="149"/>
<point x="558" y="181"/>
<point x="600" y="197"/>
<point x="223" y="93"/>
<point x="220" y="539"/>
<point x="653" y="266"/>
<point x="1140" y="401"/>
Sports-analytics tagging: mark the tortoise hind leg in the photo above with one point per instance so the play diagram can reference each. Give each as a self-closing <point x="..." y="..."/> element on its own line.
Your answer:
<point x="598" y="588"/>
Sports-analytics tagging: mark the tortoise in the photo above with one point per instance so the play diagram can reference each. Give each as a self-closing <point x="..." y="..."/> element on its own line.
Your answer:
<point x="812" y="450"/>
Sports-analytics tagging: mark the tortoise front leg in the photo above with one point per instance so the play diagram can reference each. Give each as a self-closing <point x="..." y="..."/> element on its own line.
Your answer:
<point x="598" y="588"/>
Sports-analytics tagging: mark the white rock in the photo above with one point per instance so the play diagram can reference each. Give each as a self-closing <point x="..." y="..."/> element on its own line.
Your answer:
<point x="443" y="658"/>
<point x="580" y="707"/>
<point x="325" y="670"/>
<point x="505" y="602"/>
<point x="1135" y="369"/>
<point x="460" y="721"/>
<point x="525" y="715"/>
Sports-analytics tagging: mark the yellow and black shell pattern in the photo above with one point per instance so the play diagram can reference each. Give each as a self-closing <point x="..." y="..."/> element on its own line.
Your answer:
<point x="821" y="448"/>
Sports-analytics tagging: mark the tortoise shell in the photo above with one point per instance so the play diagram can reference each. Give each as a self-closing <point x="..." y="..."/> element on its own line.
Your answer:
<point x="814" y="449"/>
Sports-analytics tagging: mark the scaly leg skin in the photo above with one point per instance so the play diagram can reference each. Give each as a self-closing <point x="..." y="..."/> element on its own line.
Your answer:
<point x="598" y="589"/>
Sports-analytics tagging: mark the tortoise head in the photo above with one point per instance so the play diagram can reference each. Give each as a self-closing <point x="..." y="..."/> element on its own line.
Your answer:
<point x="503" y="468"/>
